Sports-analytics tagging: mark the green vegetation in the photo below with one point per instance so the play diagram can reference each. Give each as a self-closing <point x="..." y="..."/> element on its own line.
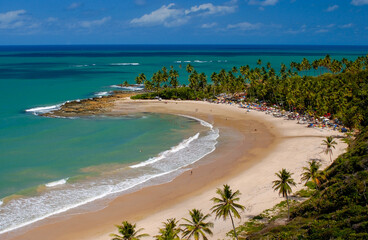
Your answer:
<point x="337" y="207"/>
<point x="313" y="173"/>
<point x="226" y="204"/>
<point x="174" y="93"/>
<point x="170" y="231"/>
<point x="283" y="185"/>
<point x="341" y="90"/>
<point x="338" y="210"/>
<point x="128" y="232"/>
<point x="196" y="226"/>
<point x="329" y="143"/>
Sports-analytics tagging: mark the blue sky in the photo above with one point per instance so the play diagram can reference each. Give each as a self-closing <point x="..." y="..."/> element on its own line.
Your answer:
<point x="184" y="22"/>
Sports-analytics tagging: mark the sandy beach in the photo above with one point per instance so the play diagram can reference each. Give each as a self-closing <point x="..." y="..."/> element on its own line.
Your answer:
<point x="252" y="147"/>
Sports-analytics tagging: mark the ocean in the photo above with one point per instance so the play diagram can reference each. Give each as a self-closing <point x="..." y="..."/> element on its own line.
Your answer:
<point x="51" y="165"/>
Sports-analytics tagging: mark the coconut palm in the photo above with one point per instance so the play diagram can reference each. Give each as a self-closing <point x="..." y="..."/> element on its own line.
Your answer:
<point x="312" y="172"/>
<point x="189" y="68"/>
<point x="140" y="78"/>
<point x="283" y="185"/>
<point x="170" y="230"/>
<point x="128" y="232"/>
<point x="225" y="205"/>
<point x="174" y="78"/>
<point x="329" y="143"/>
<point x="196" y="226"/>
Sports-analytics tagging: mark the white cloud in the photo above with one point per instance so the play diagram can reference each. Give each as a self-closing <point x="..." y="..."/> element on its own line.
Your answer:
<point x="245" y="26"/>
<point x="74" y="5"/>
<point x="166" y="15"/>
<point x="322" y="31"/>
<point x="332" y="8"/>
<point x="263" y="3"/>
<point x="170" y="16"/>
<point x="94" y="23"/>
<point x="209" y="25"/>
<point x="12" y="19"/>
<point x="349" y="25"/>
<point x="209" y="8"/>
<point x="359" y="2"/>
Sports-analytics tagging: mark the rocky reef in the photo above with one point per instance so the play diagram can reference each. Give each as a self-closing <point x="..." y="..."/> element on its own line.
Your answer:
<point x="90" y="106"/>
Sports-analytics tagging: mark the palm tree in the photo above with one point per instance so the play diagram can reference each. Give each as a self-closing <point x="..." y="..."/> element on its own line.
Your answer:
<point x="128" y="232"/>
<point x="189" y="68"/>
<point x="329" y="143"/>
<point x="312" y="172"/>
<point x="225" y="204"/>
<point x="197" y="226"/>
<point x="170" y="230"/>
<point x="234" y="70"/>
<point x="283" y="184"/>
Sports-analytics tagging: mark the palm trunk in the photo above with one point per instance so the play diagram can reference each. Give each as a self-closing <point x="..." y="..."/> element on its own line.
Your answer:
<point x="232" y="221"/>
<point x="287" y="200"/>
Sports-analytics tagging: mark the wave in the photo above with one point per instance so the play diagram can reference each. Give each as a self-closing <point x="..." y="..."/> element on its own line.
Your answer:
<point x="203" y="123"/>
<point x="124" y="64"/>
<point x="201" y="61"/>
<point x="56" y="183"/>
<point x="101" y="94"/>
<point x="1" y="202"/>
<point x="23" y="211"/>
<point x="129" y="88"/>
<point x="79" y="66"/>
<point x="42" y="110"/>
<point x="163" y="155"/>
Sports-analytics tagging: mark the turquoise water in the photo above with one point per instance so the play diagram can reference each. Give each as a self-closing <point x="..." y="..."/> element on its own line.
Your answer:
<point x="56" y="164"/>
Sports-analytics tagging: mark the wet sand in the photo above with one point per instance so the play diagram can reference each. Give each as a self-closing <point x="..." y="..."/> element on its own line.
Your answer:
<point x="252" y="147"/>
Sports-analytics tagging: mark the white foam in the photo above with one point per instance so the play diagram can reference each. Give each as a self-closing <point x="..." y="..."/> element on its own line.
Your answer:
<point x="56" y="183"/>
<point x="187" y="61"/>
<point x="124" y="64"/>
<point x="41" y="110"/>
<point x="185" y="143"/>
<point x="100" y="94"/>
<point x="47" y="109"/>
<point x="203" y="123"/>
<point x="1" y="202"/>
<point x="24" y="211"/>
<point x="198" y="61"/>
<point x="129" y="88"/>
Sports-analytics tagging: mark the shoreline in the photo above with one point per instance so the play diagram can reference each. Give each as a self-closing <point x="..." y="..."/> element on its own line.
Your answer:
<point x="247" y="141"/>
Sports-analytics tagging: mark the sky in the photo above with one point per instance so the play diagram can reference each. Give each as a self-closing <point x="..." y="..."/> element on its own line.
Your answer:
<point x="54" y="22"/>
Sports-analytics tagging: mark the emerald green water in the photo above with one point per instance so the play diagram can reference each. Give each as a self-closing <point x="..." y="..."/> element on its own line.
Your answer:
<point x="58" y="164"/>
<point x="41" y="150"/>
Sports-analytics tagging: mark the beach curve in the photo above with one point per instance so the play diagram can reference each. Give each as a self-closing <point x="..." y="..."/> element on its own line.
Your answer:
<point x="249" y="142"/>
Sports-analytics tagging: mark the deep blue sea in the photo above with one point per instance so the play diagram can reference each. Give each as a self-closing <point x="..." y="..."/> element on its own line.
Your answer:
<point x="50" y="165"/>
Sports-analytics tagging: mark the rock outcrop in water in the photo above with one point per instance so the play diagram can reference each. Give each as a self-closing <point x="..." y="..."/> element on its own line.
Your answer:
<point x="85" y="107"/>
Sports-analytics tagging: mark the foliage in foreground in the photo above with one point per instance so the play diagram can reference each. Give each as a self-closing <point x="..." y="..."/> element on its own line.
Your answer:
<point x="338" y="210"/>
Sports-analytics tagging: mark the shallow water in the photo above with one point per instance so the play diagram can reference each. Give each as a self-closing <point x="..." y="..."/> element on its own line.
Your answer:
<point x="48" y="165"/>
